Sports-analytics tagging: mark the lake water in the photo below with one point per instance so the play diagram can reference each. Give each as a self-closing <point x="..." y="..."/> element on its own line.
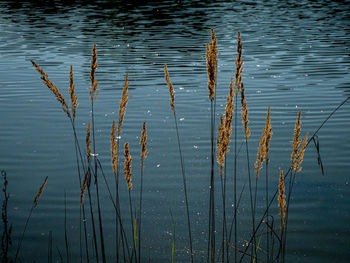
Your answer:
<point x="296" y="57"/>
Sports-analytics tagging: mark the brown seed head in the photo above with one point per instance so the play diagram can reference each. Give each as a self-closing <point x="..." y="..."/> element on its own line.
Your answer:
<point x="281" y="199"/>
<point x="171" y="89"/>
<point x="220" y="154"/>
<point x="143" y="142"/>
<point x="127" y="166"/>
<point x="301" y="152"/>
<point x="73" y="96"/>
<point x="212" y="64"/>
<point x="296" y="142"/>
<point x="268" y="133"/>
<point x="114" y="150"/>
<point x="88" y="143"/>
<point x="123" y="103"/>
<point x="53" y="88"/>
<point x="93" y="87"/>
<point x="239" y="65"/>
<point x="41" y="189"/>
<point x="244" y="112"/>
<point x="83" y="187"/>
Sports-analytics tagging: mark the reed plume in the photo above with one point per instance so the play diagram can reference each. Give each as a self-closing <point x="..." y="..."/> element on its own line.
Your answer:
<point x="212" y="64"/>
<point x="53" y="88"/>
<point x="171" y="89"/>
<point x="282" y="199"/>
<point x="73" y="96"/>
<point x="296" y="142"/>
<point x="127" y="166"/>
<point x="114" y="149"/>
<point x="88" y="143"/>
<point x="40" y="191"/>
<point x="244" y="112"/>
<point x="264" y="144"/>
<point x="94" y="65"/>
<point x="301" y="152"/>
<point x="143" y="141"/>
<point x="239" y="63"/>
<point x="225" y="128"/>
<point x="83" y="188"/>
<point x="123" y="103"/>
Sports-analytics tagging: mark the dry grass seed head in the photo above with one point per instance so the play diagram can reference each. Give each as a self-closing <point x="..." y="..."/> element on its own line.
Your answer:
<point x="123" y="103"/>
<point x="296" y="142"/>
<point x="53" y="88"/>
<point x="239" y="65"/>
<point x="171" y="89"/>
<point x="268" y="134"/>
<point x="143" y="141"/>
<point x="301" y="152"/>
<point x="94" y="65"/>
<point x="281" y="199"/>
<point x="73" y="96"/>
<point x="83" y="187"/>
<point x="244" y="112"/>
<point x="114" y="149"/>
<point x="212" y="64"/>
<point x="40" y="191"/>
<point x="127" y="166"/>
<point x="219" y="146"/>
<point x="88" y="143"/>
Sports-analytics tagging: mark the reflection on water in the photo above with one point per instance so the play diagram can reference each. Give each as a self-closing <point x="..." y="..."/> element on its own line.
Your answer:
<point x="296" y="57"/>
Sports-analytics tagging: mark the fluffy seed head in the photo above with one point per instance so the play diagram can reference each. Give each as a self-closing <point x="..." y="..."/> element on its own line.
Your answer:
<point x="73" y="96"/>
<point x="93" y="87"/>
<point x="127" y="166"/>
<point x="88" y="143"/>
<point x="83" y="187"/>
<point x="143" y="142"/>
<point x="282" y="200"/>
<point x="212" y="64"/>
<point x="244" y="112"/>
<point x="239" y="65"/>
<point x="114" y="149"/>
<point x="40" y="191"/>
<point x="123" y="103"/>
<point x="171" y="88"/>
<point x="296" y="142"/>
<point x="53" y="88"/>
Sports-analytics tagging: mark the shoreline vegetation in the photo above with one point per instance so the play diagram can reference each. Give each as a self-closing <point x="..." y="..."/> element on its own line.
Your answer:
<point x="268" y="238"/>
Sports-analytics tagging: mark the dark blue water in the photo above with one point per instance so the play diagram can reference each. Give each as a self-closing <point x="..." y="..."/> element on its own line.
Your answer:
<point x="296" y="57"/>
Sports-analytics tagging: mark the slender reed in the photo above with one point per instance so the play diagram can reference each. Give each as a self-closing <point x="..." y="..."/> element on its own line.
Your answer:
<point x="65" y="228"/>
<point x="144" y="152"/>
<point x="127" y="173"/>
<point x="115" y="152"/>
<point x="6" y="234"/>
<point x="34" y="205"/>
<point x="172" y="107"/>
<point x="212" y="69"/>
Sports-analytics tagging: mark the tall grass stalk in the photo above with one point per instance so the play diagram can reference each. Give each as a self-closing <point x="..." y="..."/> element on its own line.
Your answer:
<point x="172" y="107"/>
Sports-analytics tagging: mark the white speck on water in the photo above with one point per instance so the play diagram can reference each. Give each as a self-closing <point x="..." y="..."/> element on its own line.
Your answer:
<point x="296" y="106"/>
<point x="195" y="146"/>
<point x="158" y="165"/>
<point x="181" y="88"/>
<point x="119" y="137"/>
<point x="181" y="119"/>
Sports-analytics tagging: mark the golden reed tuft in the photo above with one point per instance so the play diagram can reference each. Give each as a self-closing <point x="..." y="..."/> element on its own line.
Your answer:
<point x="114" y="150"/>
<point x="212" y="64"/>
<point x="143" y="142"/>
<point x="171" y="89"/>
<point x="282" y="200"/>
<point x="225" y="128"/>
<point x="296" y="142"/>
<point x="297" y="149"/>
<point x="94" y="65"/>
<point x="244" y="112"/>
<point x="264" y="145"/>
<point x="88" y="143"/>
<point x="83" y="188"/>
<point x="73" y="96"/>
<point x="41" y="189"/>
<point x="239" y="65"/>
<point x="123" y="103"/>
<point x="127" y="166"/>
<point x="53" y="88"/>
